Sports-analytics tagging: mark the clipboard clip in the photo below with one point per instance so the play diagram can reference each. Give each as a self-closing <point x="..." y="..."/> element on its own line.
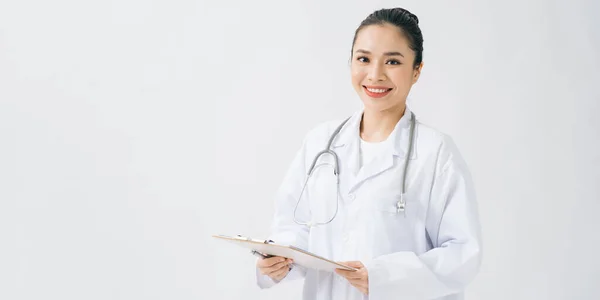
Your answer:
<point x="239" y="236"/>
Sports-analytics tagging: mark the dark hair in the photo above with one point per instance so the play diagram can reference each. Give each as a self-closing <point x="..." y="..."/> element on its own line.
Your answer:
<point x="404" y="20"/>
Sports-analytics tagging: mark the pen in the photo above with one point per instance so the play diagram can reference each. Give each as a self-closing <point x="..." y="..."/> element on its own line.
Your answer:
<point x="258" y="254"/>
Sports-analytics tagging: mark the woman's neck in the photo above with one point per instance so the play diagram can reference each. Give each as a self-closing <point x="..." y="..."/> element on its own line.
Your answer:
<point x="376" y="126"/>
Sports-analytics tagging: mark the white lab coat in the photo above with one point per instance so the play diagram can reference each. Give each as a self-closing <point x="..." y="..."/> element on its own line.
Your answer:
<point x="431" y="252"/>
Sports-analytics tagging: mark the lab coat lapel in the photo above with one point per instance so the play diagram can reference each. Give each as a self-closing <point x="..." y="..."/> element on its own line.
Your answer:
<point x="373" y="168"/>
<point x="398" y="148"/>
<point x="401" y="136"/>
<point x="348" y="158"/>
<point x="346" y="146"/>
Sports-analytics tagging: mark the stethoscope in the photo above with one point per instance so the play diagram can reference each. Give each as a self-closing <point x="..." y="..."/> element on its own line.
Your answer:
<point x="400" y="205"/>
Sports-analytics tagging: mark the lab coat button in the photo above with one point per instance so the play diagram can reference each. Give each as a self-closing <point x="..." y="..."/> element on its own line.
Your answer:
<point x="346" y="237"/>
<point x="351" y="196"/>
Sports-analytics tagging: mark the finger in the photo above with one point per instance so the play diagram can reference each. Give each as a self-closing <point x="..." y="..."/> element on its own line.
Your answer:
<point x="280" y="273"/>
<point x="344" y="273"/>
<point x="271" y="261"/>
<point x="271" y="270"/>
<point x="354" y="264"/>
<point x="358" y="283"/>
<point x="268" y="262"/>
<point x="350" y="274"/>
<point x="277" y="267"/>
<point x="356" y="275"/>
<point x="357" y="265"/>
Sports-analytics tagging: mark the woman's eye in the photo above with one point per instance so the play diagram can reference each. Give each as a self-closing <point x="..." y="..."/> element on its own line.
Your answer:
<point x="363" y="59"/>
<point x="393" y="62"/>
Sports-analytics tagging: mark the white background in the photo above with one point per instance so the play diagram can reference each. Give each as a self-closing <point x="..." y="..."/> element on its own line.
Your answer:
<point x="131" y="131"/>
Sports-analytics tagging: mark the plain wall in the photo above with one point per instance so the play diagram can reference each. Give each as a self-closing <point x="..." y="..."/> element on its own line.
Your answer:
<point x="131" y="131"/>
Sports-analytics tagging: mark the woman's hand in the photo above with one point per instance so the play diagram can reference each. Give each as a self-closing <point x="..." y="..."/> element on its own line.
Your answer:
<point x="359" y="279"/>
<point x="276" y="267"/>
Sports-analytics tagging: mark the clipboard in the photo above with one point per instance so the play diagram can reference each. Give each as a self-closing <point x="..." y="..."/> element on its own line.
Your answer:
<point x="300" y="256"/>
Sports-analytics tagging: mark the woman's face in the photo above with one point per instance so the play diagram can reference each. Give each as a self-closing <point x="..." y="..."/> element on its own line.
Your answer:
<point x="383" y="68"/>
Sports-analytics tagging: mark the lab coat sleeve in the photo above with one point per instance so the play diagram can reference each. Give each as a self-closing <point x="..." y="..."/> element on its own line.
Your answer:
<point x="283" y="228"/>
<point x="452" y="223"/>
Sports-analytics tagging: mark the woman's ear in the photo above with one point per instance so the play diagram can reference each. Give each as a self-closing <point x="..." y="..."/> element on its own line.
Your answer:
<point x="417" y="72"/>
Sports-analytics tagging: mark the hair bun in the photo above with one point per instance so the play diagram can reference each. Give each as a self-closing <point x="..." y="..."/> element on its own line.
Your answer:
<point x="405" y="13"/>
<point x="414" y="17"/>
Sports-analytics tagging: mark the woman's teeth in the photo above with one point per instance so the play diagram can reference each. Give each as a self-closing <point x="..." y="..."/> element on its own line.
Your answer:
<point x="377" y="90"/>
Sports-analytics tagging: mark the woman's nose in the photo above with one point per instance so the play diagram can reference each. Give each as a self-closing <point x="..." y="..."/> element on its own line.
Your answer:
<point x="376" y="73"/>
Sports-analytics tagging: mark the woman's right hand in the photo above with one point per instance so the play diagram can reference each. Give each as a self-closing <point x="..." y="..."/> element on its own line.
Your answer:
<point x="276" y="267"/>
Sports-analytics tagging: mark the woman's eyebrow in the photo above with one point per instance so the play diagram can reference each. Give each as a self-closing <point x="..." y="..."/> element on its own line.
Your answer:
<point x="391" y="53"/>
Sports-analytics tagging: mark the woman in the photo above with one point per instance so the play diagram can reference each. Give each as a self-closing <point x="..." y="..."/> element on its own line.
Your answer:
<point x="425" y="245"/>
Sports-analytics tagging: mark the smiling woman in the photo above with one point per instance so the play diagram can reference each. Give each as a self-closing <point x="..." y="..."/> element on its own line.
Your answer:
<point x="387" y="54"/>
<point x="405" y="214"/>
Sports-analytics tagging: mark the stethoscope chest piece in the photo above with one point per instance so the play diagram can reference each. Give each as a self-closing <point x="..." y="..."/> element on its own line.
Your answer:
<point x="401" y="205"/>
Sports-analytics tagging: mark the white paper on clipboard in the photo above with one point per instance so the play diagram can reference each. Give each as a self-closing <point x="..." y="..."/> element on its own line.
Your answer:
<point x="300" y="257"/>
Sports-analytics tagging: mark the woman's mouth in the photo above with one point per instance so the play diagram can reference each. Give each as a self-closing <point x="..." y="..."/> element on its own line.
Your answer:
<point x="376" y="91"/>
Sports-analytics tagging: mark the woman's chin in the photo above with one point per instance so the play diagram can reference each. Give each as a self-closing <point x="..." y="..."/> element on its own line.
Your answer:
<point x="378" y="105"/>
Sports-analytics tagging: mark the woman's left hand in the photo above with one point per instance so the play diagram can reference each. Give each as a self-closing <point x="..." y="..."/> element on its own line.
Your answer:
<point x="359" y="278"/>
